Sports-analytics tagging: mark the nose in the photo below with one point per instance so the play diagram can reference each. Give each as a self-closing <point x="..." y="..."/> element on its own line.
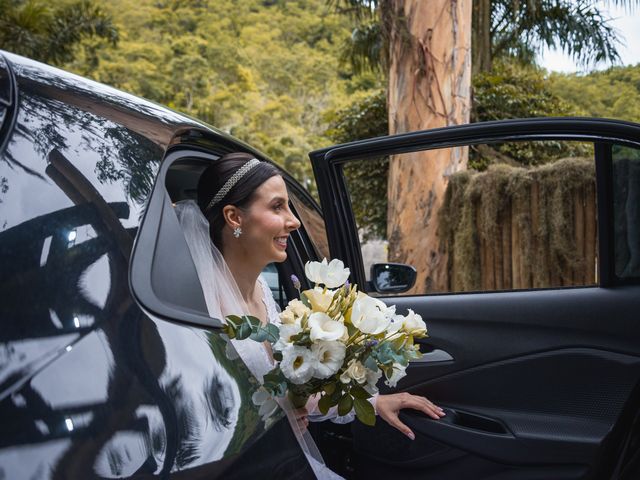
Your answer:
<point x="292" y="222"/>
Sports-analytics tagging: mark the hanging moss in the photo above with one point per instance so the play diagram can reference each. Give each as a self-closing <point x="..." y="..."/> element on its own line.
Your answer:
<point x="487" y="224"/>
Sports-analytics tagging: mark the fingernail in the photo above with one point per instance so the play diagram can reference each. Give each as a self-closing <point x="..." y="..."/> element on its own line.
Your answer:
<point x="411" y="436"/>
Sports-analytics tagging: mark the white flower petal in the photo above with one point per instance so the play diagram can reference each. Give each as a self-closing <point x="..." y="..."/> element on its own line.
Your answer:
<point x="329" y="357"/>
<point x="298" y="364"/>
<point x="324" y="328"/>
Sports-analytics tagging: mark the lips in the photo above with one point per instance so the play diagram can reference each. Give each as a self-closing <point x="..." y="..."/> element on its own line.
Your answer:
<point x="281" y="242"/>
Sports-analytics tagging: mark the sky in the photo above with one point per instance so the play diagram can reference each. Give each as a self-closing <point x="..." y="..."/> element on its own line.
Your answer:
<point x="625" y="21"/>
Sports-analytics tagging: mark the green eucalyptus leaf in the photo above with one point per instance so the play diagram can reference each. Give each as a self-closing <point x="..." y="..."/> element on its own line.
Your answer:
<point x="259" y="334"/>
<point x="364" y="411"/>
<point x="277" y="356"/>
<point x="234" y="319"/>
<point x="274" y="332"/>
<point x="345" y="405"/>
<point x="371" y="363"/>
<point x="243" y="331"/>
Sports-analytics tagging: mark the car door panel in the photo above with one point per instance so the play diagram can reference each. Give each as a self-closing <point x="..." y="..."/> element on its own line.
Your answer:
<point x="534" y="382"/>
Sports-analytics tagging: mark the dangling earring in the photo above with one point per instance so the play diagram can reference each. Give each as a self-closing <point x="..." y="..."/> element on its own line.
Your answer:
<point x="237" y="232"/>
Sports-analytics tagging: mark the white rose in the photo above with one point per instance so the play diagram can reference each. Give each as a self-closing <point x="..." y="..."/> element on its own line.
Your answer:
<point x="324" y="328"/>
<point x="298" y="308"/>
<point x="330" y="275"/>
<point x="413" y="324"/>
<point x="298" y="364"/>
<point x="398" y="373"/>
<point x="329" y="356"/>
<point x="371" y="381"/>
<point x="369" y="315"/>
<point x="355" y="371"/>
<point x="286" y="332"/>
<point x="294" y="312"/>
<point x="319" y="299"/>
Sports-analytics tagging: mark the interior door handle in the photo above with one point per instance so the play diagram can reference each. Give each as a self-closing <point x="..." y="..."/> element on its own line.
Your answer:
<point x="435" y="355"/>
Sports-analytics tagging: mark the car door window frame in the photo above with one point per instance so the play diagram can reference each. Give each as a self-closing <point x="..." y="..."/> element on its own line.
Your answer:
<point x="332" y="187"/>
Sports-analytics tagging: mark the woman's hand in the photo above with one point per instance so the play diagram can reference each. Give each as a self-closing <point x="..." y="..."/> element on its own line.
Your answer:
<point x="388" y="407"/>
<point x="301" y="416"/>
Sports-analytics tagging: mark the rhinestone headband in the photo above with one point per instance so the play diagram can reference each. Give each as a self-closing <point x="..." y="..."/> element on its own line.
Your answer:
<point x="229" y="184"/>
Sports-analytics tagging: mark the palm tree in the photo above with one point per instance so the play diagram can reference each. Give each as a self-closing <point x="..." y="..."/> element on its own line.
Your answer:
<point x="514" y="28"/>
<point x="48" y="32"/>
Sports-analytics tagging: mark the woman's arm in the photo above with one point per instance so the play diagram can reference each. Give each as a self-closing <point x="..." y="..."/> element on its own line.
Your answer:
<point x="385" y="406"/>
<point x="388" y="407"/>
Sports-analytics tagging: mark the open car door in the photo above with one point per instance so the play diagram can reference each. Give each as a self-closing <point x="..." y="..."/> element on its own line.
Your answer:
<point x="530" y="289"/>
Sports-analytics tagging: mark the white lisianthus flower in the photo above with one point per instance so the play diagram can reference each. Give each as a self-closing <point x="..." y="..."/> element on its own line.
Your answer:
<point x="324" y="328"/>
<point x="414" y="325"/>
<point x="329" y="356"/>
<point x="298" y="364"/>
<point x="286" y="332"/>
<point x="395" y="323"/>
<point x="399" y="372"/>
<point x="369" y="315"/>
<point x="355" y="371"/>
<point x="319" y="299"/>
<point x="315" y="270"/>
<point x="371" y="381"/>
<point x="331" y="275"/>
<point x="263" y="399"/>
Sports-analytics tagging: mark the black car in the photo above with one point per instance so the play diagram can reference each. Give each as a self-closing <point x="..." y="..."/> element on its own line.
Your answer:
<point x="110" y="366"/>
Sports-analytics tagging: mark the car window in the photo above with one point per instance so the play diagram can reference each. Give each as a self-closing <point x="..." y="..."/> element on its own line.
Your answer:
<point x="271" y="276"/>
<point x="626" y="211"/>
<point x="522" y="216"/>
<point x="312" y="222"/>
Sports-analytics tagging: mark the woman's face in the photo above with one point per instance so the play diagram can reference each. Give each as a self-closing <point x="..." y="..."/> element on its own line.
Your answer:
<point x="268" y="222"/>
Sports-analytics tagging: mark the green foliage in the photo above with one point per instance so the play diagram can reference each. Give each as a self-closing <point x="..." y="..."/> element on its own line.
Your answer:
<point x="476" y="205"/>
<point x="50" y="32"/>
<point x="263" y="71"/>
<point x="248" y="326"/>
<point x="366" y="117"/>
<point x="364" y="411"/>
<point x="513" y="90"/>
<point x="613" y="93"/>
<point x="578" y="27"/>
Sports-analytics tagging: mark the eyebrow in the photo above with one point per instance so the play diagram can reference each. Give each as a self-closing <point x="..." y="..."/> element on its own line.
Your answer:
<point x="278" y="199"/>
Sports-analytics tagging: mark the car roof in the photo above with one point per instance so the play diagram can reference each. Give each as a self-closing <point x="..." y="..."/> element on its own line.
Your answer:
<point x="156" y="122"/>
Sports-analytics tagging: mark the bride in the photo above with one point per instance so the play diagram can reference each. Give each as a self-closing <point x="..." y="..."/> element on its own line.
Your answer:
<point x="246" y="226"/>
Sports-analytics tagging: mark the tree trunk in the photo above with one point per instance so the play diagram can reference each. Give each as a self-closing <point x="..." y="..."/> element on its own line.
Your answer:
<point x="481" y="36"/>
<point x="429" y="87"/>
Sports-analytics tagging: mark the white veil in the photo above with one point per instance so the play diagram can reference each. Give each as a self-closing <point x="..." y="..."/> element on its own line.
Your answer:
<point x="223" y="298"/>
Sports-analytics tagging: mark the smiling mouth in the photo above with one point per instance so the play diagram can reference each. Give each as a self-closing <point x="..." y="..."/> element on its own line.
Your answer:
<point x="281" y="242"/>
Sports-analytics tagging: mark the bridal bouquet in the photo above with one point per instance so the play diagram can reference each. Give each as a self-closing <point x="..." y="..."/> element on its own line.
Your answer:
<point x="335" y="341"/>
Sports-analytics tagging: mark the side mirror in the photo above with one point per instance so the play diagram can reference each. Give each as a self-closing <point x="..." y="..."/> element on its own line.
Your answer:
<point x="392" y="277"/>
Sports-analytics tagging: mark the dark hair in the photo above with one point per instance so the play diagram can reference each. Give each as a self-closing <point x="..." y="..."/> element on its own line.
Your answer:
<point x="241" y="195"/>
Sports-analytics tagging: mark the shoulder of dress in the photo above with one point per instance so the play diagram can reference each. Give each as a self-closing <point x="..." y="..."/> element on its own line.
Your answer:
<point x="267" y="297"/>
